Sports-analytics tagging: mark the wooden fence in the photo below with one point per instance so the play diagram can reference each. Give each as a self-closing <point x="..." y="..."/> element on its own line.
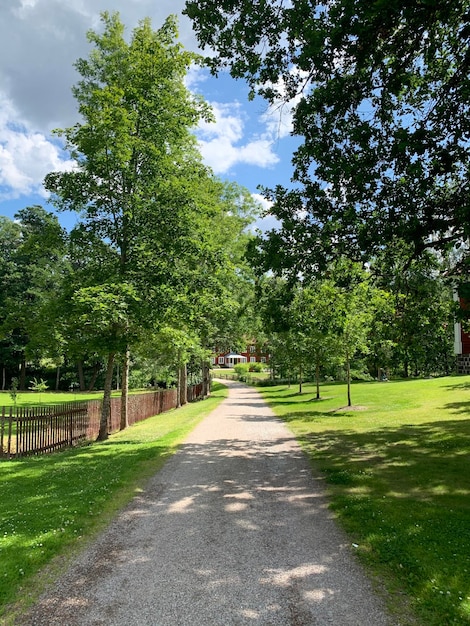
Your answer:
<point x="38" y="430"/>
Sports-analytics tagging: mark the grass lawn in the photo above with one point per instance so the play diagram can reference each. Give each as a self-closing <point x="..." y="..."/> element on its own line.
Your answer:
<point x="397" y="467"/>
<point x="50" y="398"/>
<point x="51" y="505"/>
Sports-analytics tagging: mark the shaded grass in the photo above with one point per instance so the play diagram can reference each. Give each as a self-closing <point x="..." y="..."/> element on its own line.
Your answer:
<point x="398" y="474"/>
<point x="52" y="504"/>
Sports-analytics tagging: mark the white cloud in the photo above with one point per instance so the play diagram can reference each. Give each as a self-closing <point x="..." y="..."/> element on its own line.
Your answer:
<point x="267" y="221"/>
<point x="26" y="156"/>
<point x="265" y="204"/>
<point x="220" y="141"/>
<point x="279" y="116"/>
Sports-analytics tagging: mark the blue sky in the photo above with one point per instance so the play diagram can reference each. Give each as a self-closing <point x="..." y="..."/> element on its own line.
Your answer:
<point x="40" y="40"/>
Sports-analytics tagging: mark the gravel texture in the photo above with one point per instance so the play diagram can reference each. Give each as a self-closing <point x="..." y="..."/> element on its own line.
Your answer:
<point x="233" y="530"/>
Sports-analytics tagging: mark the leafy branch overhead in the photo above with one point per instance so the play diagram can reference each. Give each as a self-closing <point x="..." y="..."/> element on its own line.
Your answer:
<point x="383" y="112"/>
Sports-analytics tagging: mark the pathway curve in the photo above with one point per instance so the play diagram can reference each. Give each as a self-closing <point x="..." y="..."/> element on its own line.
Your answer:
<point x="232" y="531"/>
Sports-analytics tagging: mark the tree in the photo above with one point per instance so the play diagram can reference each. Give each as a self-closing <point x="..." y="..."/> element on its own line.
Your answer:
<point x="138" y="184"/>
<point x="315" y="323"/>
<point x="10" y="239"/>
<point x="383" y="110"/>
<point x="422" y="321"/>
<point x="355" y="313"/>
<point x="31" y="268"/>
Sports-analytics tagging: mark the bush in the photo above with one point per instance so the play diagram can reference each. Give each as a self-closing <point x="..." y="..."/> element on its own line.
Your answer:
<point x="360" y="375"/>
<point x="241" y="369"/>
<point x="256" y="367"/>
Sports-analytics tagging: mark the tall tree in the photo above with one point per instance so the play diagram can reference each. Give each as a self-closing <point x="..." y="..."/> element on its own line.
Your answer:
<point x="30" y="273"/>
<point x="137" y="168"/>
<point x="315" y="323"/>
<point x="383" y="110"/>
<point x="422" y="323"/>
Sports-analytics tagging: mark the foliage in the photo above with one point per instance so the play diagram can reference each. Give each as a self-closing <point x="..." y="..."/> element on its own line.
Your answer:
<point x="150" y="250"/>
<point x="14" y="390"/>
<point x="398" y="482"/>
<point x="381" y="102"/>
<point x="419" y="336"/>
<point x="241" y="369"/>
<point x="315" y="325"/>
<point x="31" y="267"/>
<point x="38" y="385"/>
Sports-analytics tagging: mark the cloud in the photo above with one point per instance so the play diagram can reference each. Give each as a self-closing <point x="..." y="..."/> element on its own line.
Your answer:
<point x="26" y="156"/>
<point x="279" y="116"/>
<point x="220" y="141"/>
<point x="267" y="221"/>
<point x="41" y="39"/>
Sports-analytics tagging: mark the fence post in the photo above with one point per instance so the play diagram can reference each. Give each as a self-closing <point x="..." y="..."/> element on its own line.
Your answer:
<point x="9" y="433"/>
<point x="71" y="416"/>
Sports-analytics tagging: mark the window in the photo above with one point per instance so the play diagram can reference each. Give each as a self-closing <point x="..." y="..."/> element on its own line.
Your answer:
<point x="252" y="359"/>
<point x="213" y="360"/>
<point x="263" y="359"/>
<point x="221" y="360"/>
<point x="252" y="348"/>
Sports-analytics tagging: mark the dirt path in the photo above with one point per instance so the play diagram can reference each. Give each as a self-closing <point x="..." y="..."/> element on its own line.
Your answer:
<point x="232" y="531"/>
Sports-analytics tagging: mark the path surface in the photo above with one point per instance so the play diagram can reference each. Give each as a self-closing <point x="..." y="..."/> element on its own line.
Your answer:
<point x="232" y="531"/>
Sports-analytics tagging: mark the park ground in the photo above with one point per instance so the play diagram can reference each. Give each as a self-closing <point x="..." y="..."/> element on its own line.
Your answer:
<point x="396" y="469"/>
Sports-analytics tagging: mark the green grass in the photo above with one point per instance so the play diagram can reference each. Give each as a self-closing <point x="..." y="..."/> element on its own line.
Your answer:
<point x="50" y="398"/>
<point x="398" y="473"/>
<point x="51" y="505"/>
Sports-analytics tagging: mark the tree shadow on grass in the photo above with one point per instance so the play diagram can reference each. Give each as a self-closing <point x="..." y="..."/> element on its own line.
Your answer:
<point x="405" y="492"/>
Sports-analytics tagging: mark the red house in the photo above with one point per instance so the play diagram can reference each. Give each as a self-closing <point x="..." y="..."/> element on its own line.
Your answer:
<point x="254" y="353"/>
<point x="462" y="343"/>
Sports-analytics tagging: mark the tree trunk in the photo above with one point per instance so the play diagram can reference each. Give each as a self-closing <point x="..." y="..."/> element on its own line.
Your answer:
<point x="300" y="378"/>
<point x="106" y="408"/>
<point x="125" y="391"/>
<point x="94" y="376"/>
<point x="317" y="376"/>
<point x="4" y="377"/>
<point x="57" y="378"/>
<point x="348" y="377"/>
<point x="206" y="379"/>
<point x="81" y="379"/>
<point x="23" y="375"/>
<point x="183" y="390"/>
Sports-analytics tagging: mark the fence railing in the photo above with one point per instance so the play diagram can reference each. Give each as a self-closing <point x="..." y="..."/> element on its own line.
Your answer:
<point x="39" y="430"/>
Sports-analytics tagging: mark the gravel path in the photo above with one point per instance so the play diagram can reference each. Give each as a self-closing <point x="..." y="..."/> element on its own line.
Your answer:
<point x="233" y="530"/>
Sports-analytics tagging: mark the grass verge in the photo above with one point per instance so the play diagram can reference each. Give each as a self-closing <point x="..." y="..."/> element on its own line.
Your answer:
<point x="51" y="505"/>
<point x="397" y="466"/>
<point x="51" y="398"/>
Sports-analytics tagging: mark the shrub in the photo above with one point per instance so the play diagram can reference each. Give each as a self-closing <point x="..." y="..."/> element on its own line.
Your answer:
<point x="241" y="369"/>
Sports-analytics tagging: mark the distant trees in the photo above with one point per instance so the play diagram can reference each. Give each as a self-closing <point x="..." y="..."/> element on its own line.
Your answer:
<point x="362" y="321"/>
<point x="32" y="263"/>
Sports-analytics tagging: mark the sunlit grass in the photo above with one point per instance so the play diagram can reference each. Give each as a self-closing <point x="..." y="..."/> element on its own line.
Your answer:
<point x="55" y="502"/>
<point x="49" y="398"/>
<point x="397" y="466"/>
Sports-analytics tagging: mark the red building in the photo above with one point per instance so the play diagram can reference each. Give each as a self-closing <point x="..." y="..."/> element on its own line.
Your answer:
<point x="462" y="344"/>
<point x="254" y="353"/>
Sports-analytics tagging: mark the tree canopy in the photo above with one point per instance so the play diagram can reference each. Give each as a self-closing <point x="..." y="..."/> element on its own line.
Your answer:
<point x="383" y="102"/>
<point x="157" y="232"/>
